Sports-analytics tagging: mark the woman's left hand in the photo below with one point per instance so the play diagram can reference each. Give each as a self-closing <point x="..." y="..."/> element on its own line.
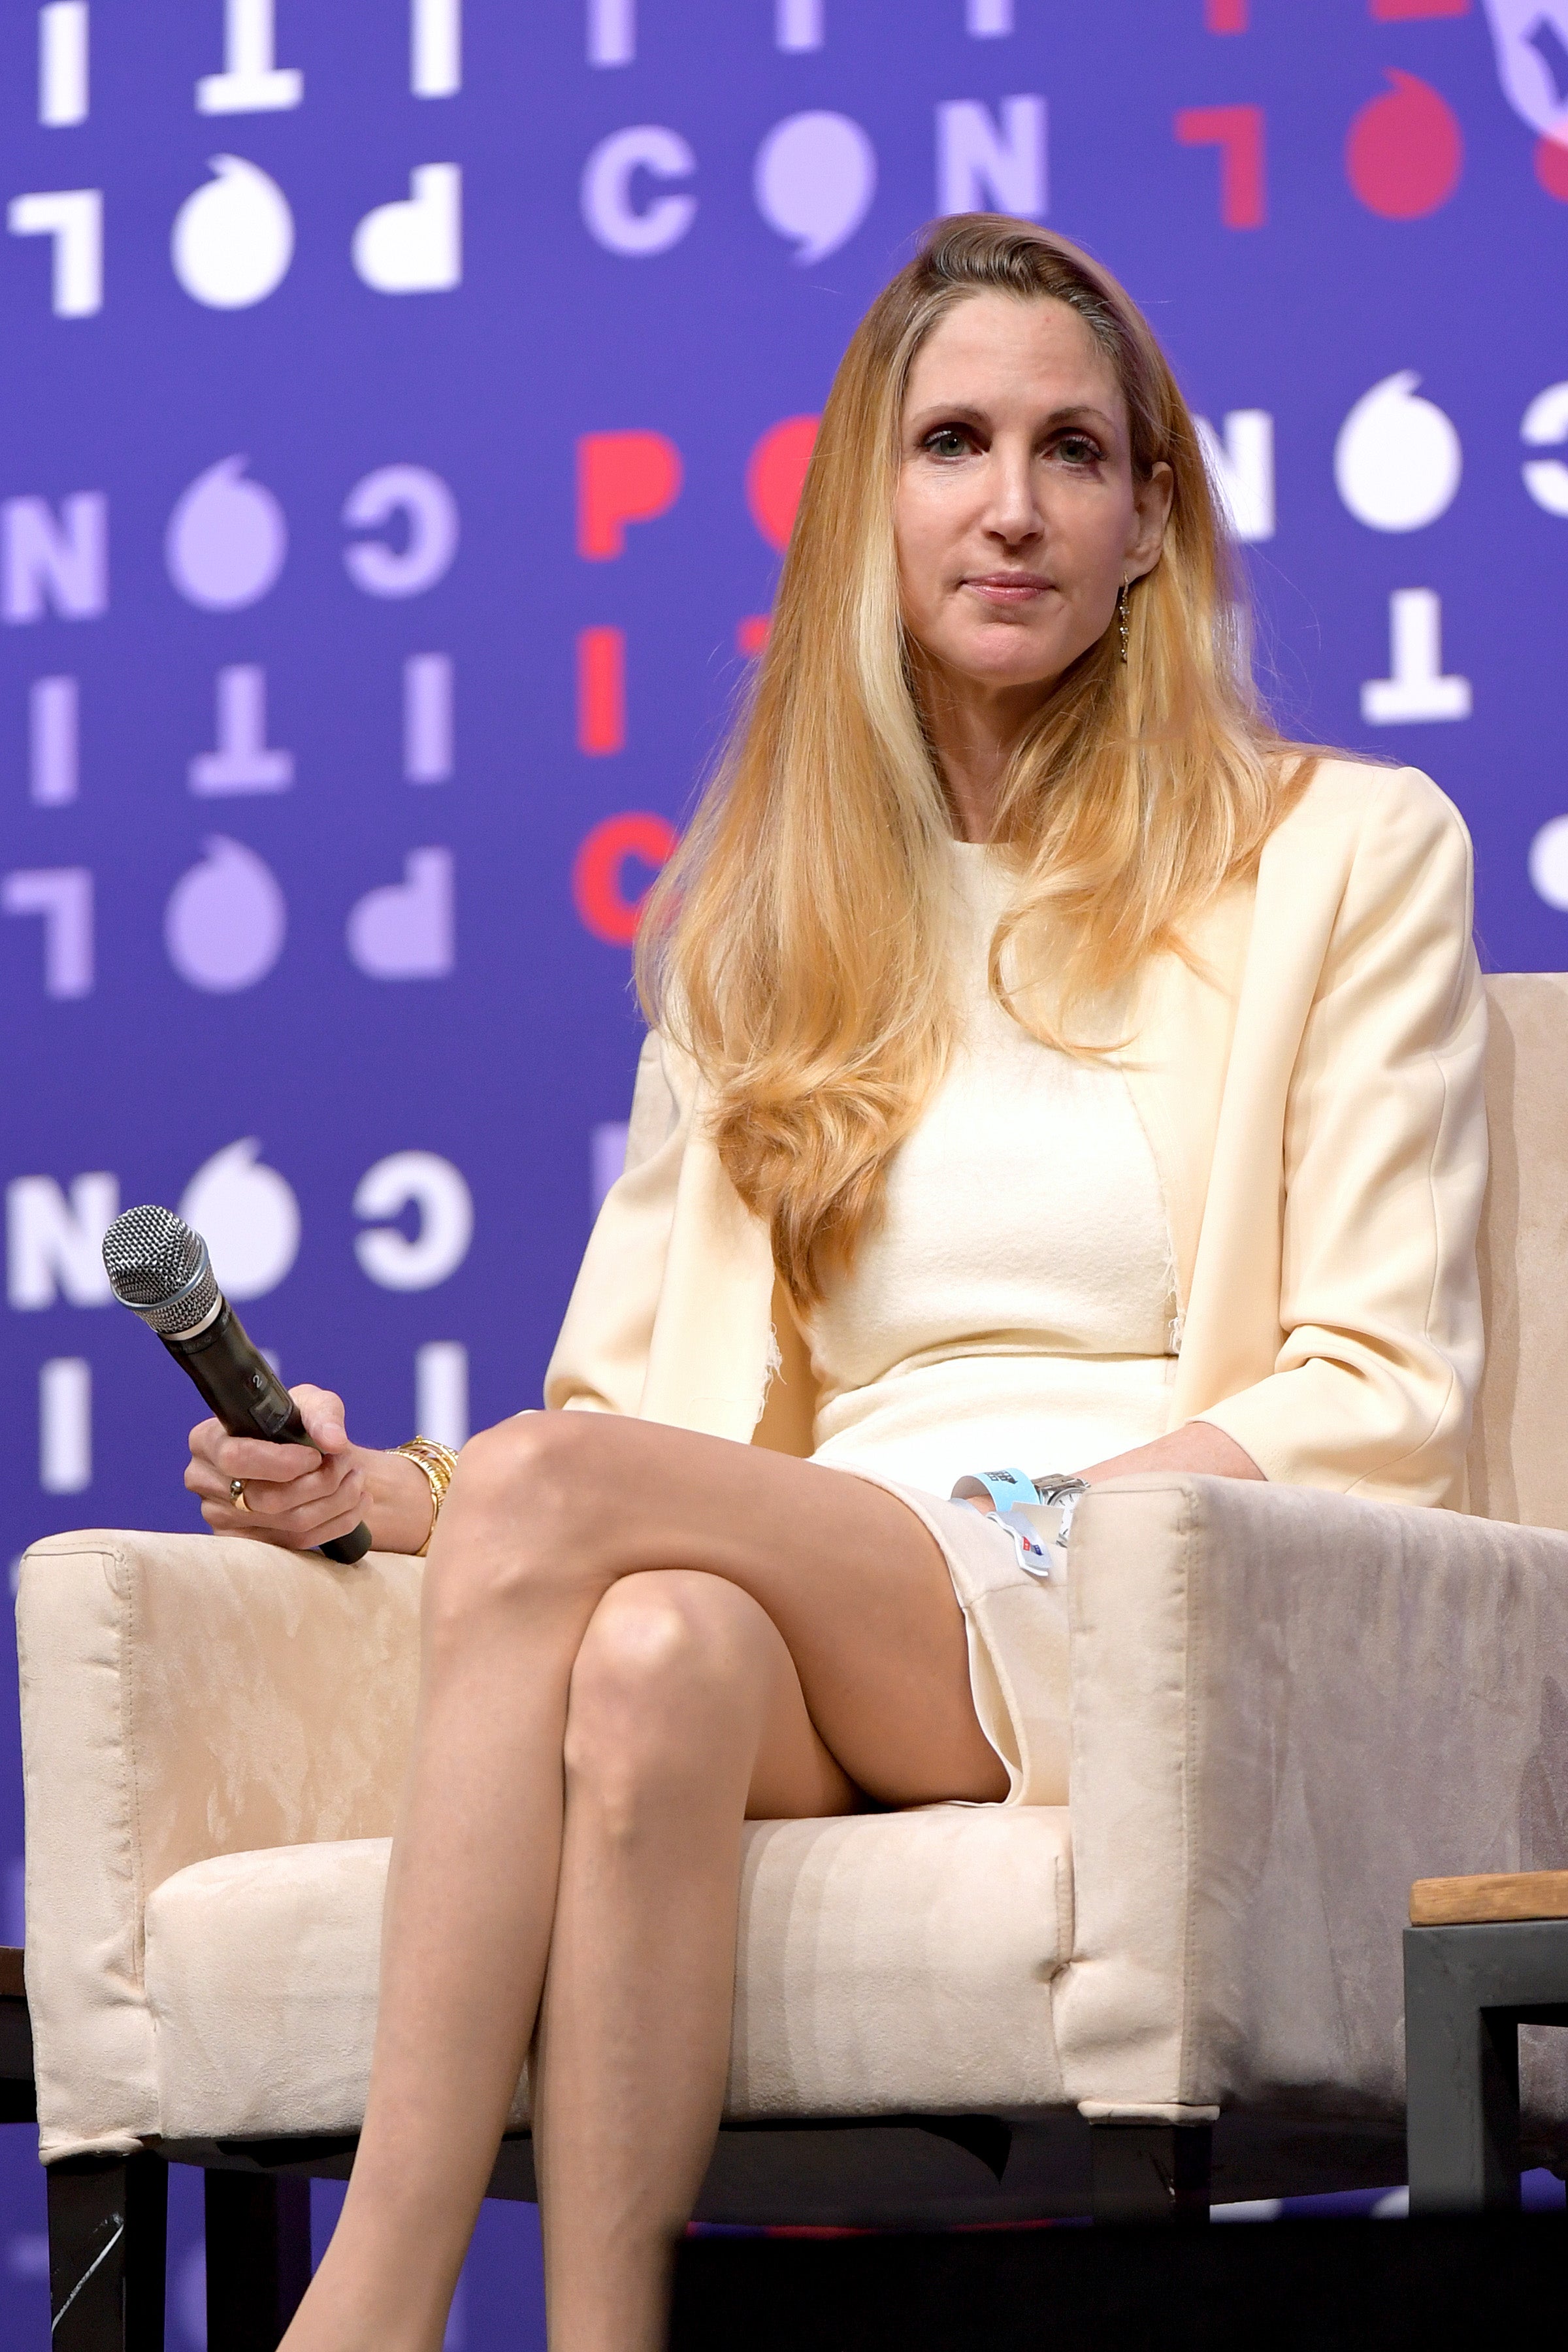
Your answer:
<point x="1197" y="1446"/>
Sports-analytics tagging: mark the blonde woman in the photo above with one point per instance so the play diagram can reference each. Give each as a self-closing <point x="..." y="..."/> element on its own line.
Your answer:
<point x="1049" y="1065"/>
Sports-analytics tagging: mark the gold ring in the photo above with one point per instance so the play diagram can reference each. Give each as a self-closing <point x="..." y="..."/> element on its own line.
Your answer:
<point x="237" y="1501"/>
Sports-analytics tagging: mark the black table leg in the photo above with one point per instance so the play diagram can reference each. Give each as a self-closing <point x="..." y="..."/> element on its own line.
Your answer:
<point x="258" y="2258"/>
<point x="1461" y="2085"/>
<point x="1150" y="2172"/>
<point x="107" y="2245"/>
<point x="1467" y="1989"/>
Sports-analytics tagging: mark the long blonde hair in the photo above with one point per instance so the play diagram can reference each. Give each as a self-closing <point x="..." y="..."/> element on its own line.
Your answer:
<point x="795" y="945"/>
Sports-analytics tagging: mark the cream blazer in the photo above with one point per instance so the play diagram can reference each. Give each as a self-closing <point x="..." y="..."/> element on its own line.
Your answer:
<point x="1311" y="1092"/>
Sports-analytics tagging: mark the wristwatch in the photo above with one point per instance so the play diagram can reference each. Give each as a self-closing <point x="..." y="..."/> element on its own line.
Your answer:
<point x="1053" y="1488"/>
<point x="1007" y="1487"/>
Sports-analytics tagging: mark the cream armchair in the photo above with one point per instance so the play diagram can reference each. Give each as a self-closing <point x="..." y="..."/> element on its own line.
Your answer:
<point x="1286" y="1706"/>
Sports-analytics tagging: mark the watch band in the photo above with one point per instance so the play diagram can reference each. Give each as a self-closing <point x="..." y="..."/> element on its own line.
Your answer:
<point x="1005" y="1487"/>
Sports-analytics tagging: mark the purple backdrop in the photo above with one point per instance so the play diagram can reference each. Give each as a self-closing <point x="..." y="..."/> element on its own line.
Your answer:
<point x="402" y="412"/>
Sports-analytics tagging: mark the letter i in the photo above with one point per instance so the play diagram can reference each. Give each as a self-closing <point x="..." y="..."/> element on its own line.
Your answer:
<point x="62" y="64"/>
<point x="601" y="690"/>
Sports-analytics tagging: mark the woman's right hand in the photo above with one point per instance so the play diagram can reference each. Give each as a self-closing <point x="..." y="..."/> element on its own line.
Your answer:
<point x="302" y="1496"/>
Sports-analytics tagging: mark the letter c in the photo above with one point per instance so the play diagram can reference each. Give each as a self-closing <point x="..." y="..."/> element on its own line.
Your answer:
<point x="607" y="208"/>
<point x="598" y="872"/>
<point x="422" y="1181"/>
<point x="429" y="512"/>
<point x="1545" y="425"/>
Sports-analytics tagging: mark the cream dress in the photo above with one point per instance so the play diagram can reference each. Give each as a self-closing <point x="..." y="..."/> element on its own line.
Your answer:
<point x="1014" y="1307"/>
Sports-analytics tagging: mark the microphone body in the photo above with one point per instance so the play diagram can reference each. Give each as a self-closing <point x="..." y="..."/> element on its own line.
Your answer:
<point x="160" y="1269"/>
<point x="247" y="1395"/>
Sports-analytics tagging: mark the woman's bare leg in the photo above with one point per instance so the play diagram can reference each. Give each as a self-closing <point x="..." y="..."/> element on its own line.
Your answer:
<point x="686" y="1713"/>
<point x="545" y="1515"/>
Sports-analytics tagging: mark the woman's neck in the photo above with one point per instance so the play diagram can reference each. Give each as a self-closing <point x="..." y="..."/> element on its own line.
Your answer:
<point x="974" y="730"/>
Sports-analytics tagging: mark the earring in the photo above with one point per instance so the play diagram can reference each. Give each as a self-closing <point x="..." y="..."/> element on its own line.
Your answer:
<point x="1121" y="618"/>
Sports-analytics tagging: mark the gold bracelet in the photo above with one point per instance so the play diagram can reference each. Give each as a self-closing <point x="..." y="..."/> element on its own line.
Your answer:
<point x="437" y="1462"/>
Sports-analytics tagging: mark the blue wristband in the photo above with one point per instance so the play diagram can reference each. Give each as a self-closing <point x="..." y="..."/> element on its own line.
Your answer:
<point x="1005" y="1487"/>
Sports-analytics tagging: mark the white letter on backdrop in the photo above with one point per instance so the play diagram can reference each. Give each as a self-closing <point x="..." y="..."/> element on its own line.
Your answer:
<point x="1549" y="863"/>
<point x="74" y="218"/>
<point x="422" y="502"/>
<point x="423" y="1181"/>
<point x="1545" y="426"/>
<point x="55" y="1246"/>
<point x="798" y="25"/>
<point x="427" y="719"/>
<point x="45" y="563"/>
<point x="1243" y="466"/>
<point x="52" y="741"/>
<point x="249" y="83"/>
<point x="607" y="1158"/>
<point x="435" y="48"/>
<point x="1416" y="686"/>
<point x="814" y="179"/>
<point x="983" y="165"/>
<point x="241" y="760"/>
<point x="226" y="920"/>
<point x="248" y="1217"/>
<point x="226" y="539"/>
<point x="414" y="244"/>
<point x="441" y="1391"/>
<point x="62" y="895"/>
<point x="233" y="238"/>
<point x="405" y="929"/>
<point x="62" y="64"/>
<point x="1397" y="458"/>
<point x="607" y="207"/>
<point x="611" y="32"/>
<point x="65" y="1425"/>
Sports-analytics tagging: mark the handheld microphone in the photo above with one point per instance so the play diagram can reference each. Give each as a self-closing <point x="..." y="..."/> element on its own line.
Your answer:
<point x="160" y="1269"/>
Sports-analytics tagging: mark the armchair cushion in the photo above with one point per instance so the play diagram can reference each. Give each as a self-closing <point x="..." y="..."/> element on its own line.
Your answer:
<point x="886" y="1962"/>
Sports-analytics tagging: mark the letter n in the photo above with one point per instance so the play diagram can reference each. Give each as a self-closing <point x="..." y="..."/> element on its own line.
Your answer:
<point x="55" y="1243"/>
<point x="49" y="562"/>
<point x="984" y="164"/>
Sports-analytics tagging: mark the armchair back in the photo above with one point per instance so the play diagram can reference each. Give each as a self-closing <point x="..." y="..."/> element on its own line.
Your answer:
<point x="1518" y="1447"/>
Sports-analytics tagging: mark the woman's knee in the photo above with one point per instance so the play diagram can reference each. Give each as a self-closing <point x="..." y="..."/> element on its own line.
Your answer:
<point x="672" y="1677"/>
<point x="519" y="1526"/>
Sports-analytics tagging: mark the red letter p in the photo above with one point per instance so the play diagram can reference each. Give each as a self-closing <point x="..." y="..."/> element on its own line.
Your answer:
<point x="622" y="478"/>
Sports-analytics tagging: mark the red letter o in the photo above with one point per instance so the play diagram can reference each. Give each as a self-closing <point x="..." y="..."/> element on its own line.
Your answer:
<point x="775" y="477"/>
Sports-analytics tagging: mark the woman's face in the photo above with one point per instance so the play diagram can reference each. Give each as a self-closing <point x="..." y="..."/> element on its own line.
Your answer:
<point x="1017" y="516"/>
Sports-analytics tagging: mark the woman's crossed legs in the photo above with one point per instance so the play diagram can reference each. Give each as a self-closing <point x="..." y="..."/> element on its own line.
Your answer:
<point x="633" y="1638"/>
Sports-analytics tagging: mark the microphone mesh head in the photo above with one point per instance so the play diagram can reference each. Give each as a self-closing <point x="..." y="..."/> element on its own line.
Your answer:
<point x="159" y="1269"/>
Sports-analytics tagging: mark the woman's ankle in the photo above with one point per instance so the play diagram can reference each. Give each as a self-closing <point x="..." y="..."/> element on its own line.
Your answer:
<point x="353" y="2305"/>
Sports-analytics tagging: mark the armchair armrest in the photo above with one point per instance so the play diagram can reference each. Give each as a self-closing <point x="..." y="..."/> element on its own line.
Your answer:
<point x="1287" y="1705"/>
<point x="184" y="1696"/>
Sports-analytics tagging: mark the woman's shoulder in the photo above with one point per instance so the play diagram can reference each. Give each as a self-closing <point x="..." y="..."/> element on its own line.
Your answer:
<point x="1349" y="804"/>
<point x="1371" y="852"/>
